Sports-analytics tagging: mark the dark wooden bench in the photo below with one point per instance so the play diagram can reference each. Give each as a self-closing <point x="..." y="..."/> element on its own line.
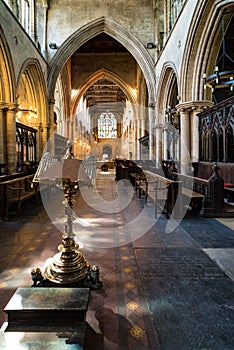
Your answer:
<point x="26" y="192"/>
<point x="13" y="193"/>
<point x="164" y="193"/>
<point x="206" y="196"/>
<point x="187" y="194"/>
<point x="194" y="190"/>
<point x="229" y="193"/>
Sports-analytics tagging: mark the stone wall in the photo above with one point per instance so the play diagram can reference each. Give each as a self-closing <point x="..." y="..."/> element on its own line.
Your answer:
<point x="122" y="64"/>
<point x="66" y="17"/>
<point x="21" y="46"/>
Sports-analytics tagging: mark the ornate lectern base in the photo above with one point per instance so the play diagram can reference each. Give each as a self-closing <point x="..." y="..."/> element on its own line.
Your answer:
<point x="91" y="280"/>
<point x="69" y="268"/>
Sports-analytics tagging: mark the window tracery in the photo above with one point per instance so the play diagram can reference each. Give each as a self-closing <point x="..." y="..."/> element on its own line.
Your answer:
<point x="107" y="125"/>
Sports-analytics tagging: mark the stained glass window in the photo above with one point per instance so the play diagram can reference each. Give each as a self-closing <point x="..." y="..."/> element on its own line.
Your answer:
<point x="107" y="126"/>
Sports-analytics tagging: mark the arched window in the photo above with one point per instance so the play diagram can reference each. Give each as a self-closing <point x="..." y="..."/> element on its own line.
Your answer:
<point x="26" y="15"/>
<point x="107" y="126"/>
<point x="21" y="9"/>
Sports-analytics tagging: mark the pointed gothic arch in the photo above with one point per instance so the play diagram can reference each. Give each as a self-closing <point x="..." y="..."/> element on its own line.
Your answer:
<point x="201" y="51"/>
<point x="32" y="74"/>
<point x="167" y="82"/>
<point x="7" y="75"/>
<point x="32" y="78"/>
<point x="113" y="29"/>
<point x="110" y="76"/>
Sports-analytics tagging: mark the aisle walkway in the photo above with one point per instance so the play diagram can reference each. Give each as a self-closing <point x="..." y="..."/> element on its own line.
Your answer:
<point x="164" y="288"/>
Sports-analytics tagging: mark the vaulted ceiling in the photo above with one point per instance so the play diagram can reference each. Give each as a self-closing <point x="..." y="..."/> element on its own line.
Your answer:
<point x="104" y="91"/>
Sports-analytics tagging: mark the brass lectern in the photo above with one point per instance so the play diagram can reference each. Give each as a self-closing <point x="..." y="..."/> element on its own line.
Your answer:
<point x="68" y="267"/>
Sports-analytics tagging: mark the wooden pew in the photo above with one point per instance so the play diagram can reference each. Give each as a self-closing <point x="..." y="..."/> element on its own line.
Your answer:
<point x="164" y="193"/>
<point x="229" y="193"/>
<point x="194" y="190"/>
<point x="13" y="193"/>
<point x="188" y="193"/>
<point x="208" y="194"/>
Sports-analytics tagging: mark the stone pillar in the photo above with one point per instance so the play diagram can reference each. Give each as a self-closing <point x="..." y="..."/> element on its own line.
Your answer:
<point x="225" y="144"/>
<point x="137" y="138"/>
<point x="194" y="137"/>
<point x="44" y="47"/>
<point x="15" y="8"/>
<point x="67" y="128"/>
<point x="11" y="138"/>
<point x="189" y="129"/>
<point x="3" y="152"/>
<point x="33" y="23"/>
<point x="165" y="143"/>
<point x="151" y="131"/>
<point x="185" y="142"/>
<point x="138" y="129"/>
<point x="59" y="126"/>
<point x="40" y="145"/>
<point x="71" y="131"/>
<point x="63" y="127"/>
<point x="142" y="127"/>
<point x="50" y="128"/>
<point x="158" y="145"/>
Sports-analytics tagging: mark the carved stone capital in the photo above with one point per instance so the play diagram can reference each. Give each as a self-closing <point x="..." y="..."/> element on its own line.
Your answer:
<point x="191" y="106"/>
<point x="9" y="106"/>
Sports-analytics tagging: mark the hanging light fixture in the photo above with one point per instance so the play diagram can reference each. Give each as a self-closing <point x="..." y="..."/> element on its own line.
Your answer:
<point x="222" y="79"/>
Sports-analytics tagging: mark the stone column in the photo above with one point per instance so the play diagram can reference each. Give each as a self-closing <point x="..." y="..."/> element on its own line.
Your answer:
<point x="15" y="8"/>
<point x="67" y="128"/>
<point x="11" y="138"/>
<point x="44" y="47"/>
<point x="71" y="131"/>
<point x="185" y="142"/>
<point x="189" y="129"/>
<point x="165" y="143"/>
<point x="151" y="130"/>
<point x="138" y="123"/>
<point x="194" y="137"/>
<point x="196" y="107"/>
<point x="40" y="144"/>
<point x="33" y="23"/>
<point x="63" y="127"/>
<point x="142" y="127"/>
<point x="138" y="128"/>
<point x="158" y="145"/>
<point x="50" y="128"/>
<point x="225" y="144"/>
<point x="3" y="153"/>
<point x="134" y="139"/>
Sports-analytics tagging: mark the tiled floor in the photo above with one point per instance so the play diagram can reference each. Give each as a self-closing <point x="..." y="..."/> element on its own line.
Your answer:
<point x="162" y="289"/>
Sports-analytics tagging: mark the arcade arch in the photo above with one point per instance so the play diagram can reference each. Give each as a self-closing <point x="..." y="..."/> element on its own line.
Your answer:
<point x="32" y="109"/>
<point x="139" y="53"/>
<point x="167" y="117"/>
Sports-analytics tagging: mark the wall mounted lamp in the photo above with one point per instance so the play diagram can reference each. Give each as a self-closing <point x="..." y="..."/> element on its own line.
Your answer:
<point x="150" y="45"/>
<point x="53" y="46"/>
